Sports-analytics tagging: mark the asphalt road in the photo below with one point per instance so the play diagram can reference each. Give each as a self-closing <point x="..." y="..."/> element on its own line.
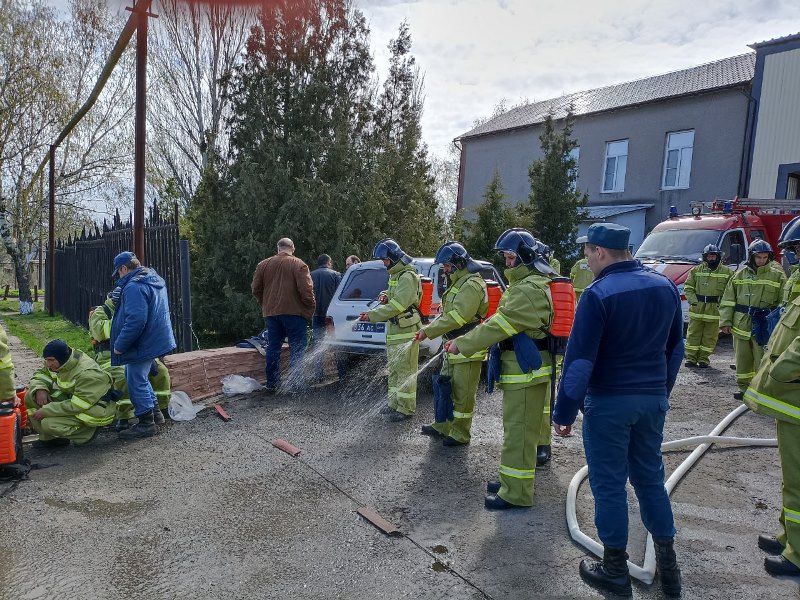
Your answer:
<point x="209" y="509"/>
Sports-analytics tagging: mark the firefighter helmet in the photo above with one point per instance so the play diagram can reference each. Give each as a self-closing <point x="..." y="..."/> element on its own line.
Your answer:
<point x="711" y="249"/>
<point x="455" y="254"/>
<point x="388" y="249"/>
<point x="527" y="248"/>
<point x="757" y="247"/>
<point x="790" y="236"/>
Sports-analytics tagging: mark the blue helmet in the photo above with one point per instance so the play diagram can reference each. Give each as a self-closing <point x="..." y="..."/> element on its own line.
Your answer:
<point x="711" y="249"/>
<point x="527" y="248"/>
<point x="455" y="254"/>
<point x="756" y="247"/>
<point x="388" y="249"/>
<point x="790" y="236"/>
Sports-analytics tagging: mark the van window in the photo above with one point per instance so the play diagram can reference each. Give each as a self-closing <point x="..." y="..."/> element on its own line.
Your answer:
<point x="488" y="274"/>
<point x="365" y="284"/>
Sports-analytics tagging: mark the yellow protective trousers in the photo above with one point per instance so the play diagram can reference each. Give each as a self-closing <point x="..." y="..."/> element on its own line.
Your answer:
<point x="523" y="413"/>
<point x="465" y="377"/>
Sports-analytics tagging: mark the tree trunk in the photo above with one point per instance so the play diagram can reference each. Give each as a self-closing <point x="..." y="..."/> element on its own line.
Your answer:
<point x="19" y="257"/>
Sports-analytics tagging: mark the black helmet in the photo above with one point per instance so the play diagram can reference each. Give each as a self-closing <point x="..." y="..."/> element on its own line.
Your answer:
<point x="527" y="248"/>
<point x="388" y="249"/>
<point x="455" y="254"/>
<point x="756" y="247"/>
<point x="790" y="235"/>
<point x="711" y="249"/>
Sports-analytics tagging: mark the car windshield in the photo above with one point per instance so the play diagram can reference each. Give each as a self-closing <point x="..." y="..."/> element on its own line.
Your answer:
<point x="365" y="284"/>
<point x="677" y="244"/>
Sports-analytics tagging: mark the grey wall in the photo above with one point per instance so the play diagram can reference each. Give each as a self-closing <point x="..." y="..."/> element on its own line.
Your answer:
<point x="719" y="121"/>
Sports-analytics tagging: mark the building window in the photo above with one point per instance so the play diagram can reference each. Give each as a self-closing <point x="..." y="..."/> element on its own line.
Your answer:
<point x="574" y="155"/>
<point x="678" y="160"/>
<point x="616" y="165"/>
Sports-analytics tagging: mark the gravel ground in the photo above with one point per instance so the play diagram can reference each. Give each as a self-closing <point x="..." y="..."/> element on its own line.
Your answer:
<point x="209" y="509"/>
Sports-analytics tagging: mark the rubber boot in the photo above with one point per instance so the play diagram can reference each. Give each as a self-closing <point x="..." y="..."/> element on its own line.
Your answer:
<point x="121" y="425"/>
<point x="543" y="455"/>
<point x="158" y="416"/>
<point x="667" y="566"/>
<point x="611" y="574"/>
<point x="146" y="427"/>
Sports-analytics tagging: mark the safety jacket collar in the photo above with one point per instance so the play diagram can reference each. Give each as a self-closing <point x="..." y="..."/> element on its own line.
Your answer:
<point x="398" y="268"/>
<point x="71" y="362"/>
<point x="517" y="273"/>
<point x="458" y="276"/>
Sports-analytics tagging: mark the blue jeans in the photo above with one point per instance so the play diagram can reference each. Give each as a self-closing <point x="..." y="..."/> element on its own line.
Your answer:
<point x="295" y="329"/>
<point x="622" y="437"/>
<point x="318" y="332"/>
<point x="140" y="389"/>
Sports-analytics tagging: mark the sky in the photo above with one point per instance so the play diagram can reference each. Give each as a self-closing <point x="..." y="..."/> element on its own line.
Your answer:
<point x="476" y="53"/>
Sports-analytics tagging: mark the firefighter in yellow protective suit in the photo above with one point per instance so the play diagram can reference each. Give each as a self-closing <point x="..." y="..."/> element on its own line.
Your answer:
<point x="789" y="241"/>
<point x="400" y="308"/>
<point x="526" y="311"/>
<point x="704" y="288"/>
<point x="748" y="298"/>
<point x="7" y="389"/>
<point x="464" y="303"/>
<point x="100" y="329"/>
<point x="68" y="398"/>
<point x="580" y="273"/>
<point x="775" y="392"/>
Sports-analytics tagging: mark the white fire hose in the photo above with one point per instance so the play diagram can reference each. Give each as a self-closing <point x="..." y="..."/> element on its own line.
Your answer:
<point x="647" y="571"/>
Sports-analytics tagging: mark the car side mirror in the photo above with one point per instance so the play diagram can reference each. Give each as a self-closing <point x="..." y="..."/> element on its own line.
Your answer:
<point x="736" y="254"/>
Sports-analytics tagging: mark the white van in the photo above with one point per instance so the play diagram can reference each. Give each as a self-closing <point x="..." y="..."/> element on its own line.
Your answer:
<point x="358" y="292"/>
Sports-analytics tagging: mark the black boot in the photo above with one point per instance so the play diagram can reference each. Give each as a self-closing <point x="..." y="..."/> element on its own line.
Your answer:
<point x="667" y="566"/>
<point x="146" y="427"/>
<point x="543" y="455"/>
<point x="770" y="544"/>
<point x="158" y="416"/>
<point x="611" y="574"/>
<point x="121" y="425"/>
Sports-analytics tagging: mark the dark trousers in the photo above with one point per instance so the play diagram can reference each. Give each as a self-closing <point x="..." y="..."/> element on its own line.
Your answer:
<point x="622" y="436"/>
<point x="295" y="329"/>
<point x="318" y="334"/>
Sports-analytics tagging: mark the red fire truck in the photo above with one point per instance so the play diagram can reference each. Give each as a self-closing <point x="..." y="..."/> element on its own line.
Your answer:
<point x="674" y="246"/>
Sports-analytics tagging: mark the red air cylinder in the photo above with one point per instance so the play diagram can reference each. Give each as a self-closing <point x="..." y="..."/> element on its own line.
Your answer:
<point x="495" y="293"/>
<point x="23" y="412"/>
<point x="427" y="297"/>
<point x="10" y="436"/>
<point x="563" y="295"/>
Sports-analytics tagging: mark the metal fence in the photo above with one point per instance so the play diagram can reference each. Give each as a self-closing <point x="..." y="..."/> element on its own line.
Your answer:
<point x="83" y="266"/>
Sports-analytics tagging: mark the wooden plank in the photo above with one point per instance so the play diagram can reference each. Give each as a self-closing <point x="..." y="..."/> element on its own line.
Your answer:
<point x="379" y="522"/>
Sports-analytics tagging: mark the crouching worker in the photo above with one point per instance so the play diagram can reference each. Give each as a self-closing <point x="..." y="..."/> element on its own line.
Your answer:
<point x="69" y="398"/>
<point x="520" y="327"/>
<point x="464" y="303"/>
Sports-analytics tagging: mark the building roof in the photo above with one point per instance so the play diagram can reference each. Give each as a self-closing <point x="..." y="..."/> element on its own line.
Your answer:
<point x="597" y="213"/>
<point x="720" y="74"/>
<point x="778" y="40"/>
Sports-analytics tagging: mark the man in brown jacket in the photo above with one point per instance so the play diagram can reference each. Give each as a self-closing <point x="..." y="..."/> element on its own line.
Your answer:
<point x="282" y="285"/>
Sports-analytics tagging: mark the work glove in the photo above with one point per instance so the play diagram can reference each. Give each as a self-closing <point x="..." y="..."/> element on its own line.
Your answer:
<point x="363" y="317"/>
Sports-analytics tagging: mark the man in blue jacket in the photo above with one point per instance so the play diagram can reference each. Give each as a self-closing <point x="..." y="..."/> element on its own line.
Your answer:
<point x="140" y="331"/>
<point x="622" y="359"/>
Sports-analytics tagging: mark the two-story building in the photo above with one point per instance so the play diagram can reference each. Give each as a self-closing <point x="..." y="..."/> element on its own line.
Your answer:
<point x="719" y="130"/>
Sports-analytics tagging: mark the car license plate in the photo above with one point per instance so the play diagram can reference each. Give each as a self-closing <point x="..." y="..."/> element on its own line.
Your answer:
<point x="370" y="327"/>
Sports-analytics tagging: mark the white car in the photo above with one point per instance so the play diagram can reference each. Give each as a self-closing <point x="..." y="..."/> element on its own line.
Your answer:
<point x="358" y="292"/>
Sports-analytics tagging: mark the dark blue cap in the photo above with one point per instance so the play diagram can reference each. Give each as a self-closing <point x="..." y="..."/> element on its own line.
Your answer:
<point x="57" y="349"/>
<point x="609" y="235"/>
<point x="122" y="259"/>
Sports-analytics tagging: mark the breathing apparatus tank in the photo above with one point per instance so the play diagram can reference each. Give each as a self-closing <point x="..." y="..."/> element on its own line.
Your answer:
<point x="563" y="296"/>
<point x="494" y="293"/>
<point x="427" y="298"/>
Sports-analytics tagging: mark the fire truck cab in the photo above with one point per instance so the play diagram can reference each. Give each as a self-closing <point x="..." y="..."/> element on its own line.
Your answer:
<point x="676" y="245"/>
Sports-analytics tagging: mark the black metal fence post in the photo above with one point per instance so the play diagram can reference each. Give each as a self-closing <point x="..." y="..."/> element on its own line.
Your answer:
<point x="186" y="298"/>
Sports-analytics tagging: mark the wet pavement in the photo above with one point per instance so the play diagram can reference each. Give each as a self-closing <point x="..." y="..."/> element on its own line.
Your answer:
<point x="209" y="509"/>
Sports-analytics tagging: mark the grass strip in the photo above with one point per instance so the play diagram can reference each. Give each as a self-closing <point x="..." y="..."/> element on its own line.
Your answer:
<point x="38" y="328"/>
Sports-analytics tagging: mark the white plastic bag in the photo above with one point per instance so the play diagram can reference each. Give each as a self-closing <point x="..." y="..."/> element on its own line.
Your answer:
<point x="238" y="384"/>
<point x="180" y="407"/>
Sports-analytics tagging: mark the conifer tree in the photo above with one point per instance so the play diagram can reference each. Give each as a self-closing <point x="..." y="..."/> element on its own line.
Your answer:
<point x="555" y="206"/>
<point x="493" y="216"/>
